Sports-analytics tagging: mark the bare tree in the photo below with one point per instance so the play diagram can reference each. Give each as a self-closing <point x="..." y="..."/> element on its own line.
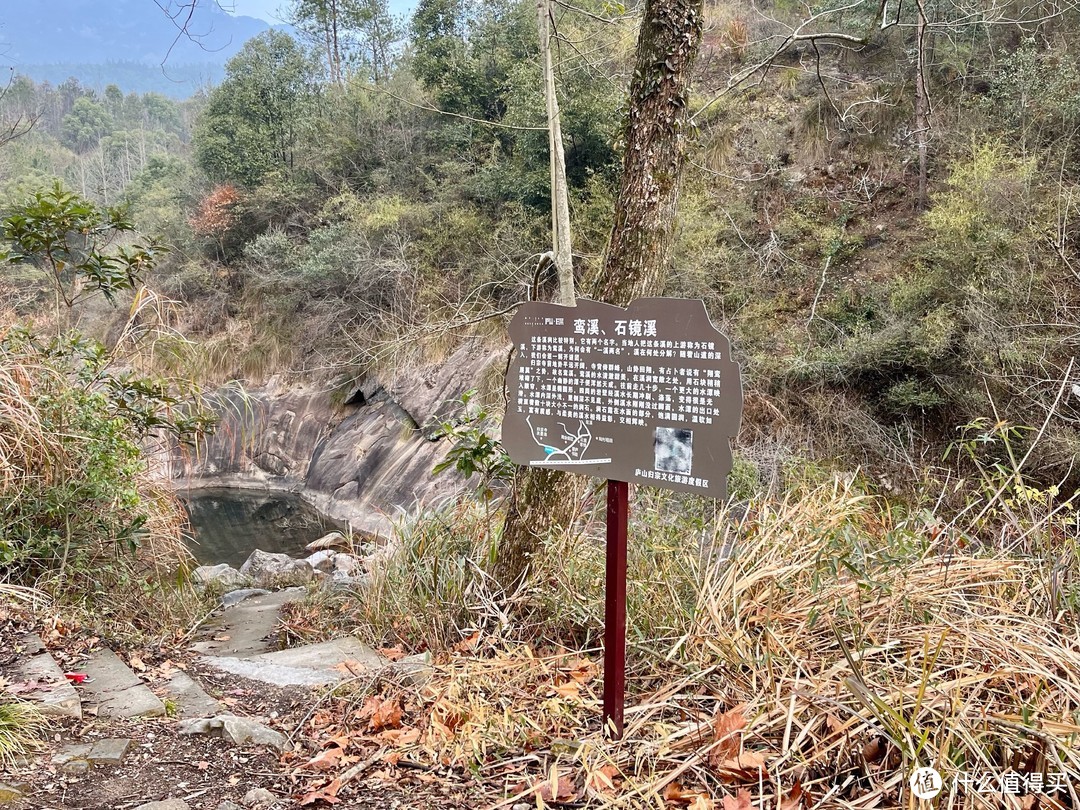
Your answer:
<point x="18" y="122"/>
<point x="560" y="201"/>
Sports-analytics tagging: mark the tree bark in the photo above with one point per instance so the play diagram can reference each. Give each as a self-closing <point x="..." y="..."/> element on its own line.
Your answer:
<point x="922" y="104"/>
<point x="546" y="502"/>
<point x="643" y="233"/>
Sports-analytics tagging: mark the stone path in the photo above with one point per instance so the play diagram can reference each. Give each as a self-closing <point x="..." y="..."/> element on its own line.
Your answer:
<point x="115" y="690"/>
<point x="239" y="644"/>
<point x="55" y="696"/>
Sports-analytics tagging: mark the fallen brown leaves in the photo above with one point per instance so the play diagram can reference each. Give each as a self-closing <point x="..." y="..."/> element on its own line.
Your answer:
<point x="727" y="756"/>
<point x="855" y="654"/>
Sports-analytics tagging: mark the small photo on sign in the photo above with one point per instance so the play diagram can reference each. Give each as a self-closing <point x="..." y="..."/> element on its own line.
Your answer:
<point x="674" y="449"/>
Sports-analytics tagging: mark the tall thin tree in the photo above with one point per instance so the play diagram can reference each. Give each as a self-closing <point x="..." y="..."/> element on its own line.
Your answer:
<point x="641" y="242"/>
<point x="560" y="194"/>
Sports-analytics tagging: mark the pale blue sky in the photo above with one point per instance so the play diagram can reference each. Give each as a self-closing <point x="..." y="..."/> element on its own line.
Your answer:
<point x="268" y="9"/>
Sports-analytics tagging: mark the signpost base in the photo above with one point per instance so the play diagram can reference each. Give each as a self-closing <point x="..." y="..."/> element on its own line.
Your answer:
<point x="618" y="508"/>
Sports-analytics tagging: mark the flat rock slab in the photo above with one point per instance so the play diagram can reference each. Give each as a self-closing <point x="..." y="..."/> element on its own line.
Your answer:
<point x="312" y="665"/>
<point x="241" y="629"/>
<point x="75" y="759"/>
<point x="53" y="695"/>
<point x="191" y="699"/>
<point x="117" y="690"/>
<point x="237" y="730"/>
<point x="326" y="655"/>
<point x="168" y="804"/>
<point x="273" y="674"/>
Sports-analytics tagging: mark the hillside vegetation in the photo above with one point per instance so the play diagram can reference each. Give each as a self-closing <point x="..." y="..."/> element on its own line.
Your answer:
<point x="313" y="218"/>
<point x="879" y="210"/>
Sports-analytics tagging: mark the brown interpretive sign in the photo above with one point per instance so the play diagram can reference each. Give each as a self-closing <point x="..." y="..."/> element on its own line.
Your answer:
<point x="648" y="394"/>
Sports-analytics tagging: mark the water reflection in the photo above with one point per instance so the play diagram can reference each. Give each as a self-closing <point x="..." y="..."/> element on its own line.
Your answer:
<point x="228" y="524"/>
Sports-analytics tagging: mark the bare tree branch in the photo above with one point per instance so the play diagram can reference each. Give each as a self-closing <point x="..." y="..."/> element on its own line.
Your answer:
<point x="23" y="122"/>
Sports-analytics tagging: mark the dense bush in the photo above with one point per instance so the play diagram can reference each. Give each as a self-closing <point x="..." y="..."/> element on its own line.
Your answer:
<point x="81" y="515"/>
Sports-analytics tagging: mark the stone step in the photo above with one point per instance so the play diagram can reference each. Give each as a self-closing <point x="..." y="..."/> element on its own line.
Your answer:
<point x="321" y="664"/>
<point x="79" y="758"/>
<point x="116" y="690"/>
<point x="54" y="695"/>
<point x="241" y="630"/>
<point x="190" y="698"/>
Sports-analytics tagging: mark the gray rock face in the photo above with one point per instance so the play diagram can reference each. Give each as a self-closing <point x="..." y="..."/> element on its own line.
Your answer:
<point x="347" y="564"/>
<point x="268" y="570"/>
<point x="237" y="730"/>
<point x="168" y="804"/>
<point x="221" y="578"/>
<point x="227" y="805"/>
<point x="354" y="461"/>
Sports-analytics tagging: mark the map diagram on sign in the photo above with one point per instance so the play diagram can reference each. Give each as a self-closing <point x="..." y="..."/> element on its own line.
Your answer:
<point x="560" y="443"/>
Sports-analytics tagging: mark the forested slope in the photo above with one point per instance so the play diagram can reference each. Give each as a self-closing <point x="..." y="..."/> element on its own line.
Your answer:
<point x="878" y="208"/>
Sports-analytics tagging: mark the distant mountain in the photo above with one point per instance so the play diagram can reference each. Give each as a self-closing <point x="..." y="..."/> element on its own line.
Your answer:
<point x="124" y="41"/>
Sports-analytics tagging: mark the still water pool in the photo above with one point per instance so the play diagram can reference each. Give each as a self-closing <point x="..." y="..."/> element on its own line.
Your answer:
<point x="228" y="524"/>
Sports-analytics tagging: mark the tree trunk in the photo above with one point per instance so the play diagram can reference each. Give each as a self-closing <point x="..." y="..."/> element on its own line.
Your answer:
<point x="922" y="103"/>
<point x="560" y="195"/>
<point x="642" y="236"/>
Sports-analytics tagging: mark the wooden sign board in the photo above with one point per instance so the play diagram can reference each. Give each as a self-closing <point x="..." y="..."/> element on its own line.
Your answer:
<point x="648" y="394"/>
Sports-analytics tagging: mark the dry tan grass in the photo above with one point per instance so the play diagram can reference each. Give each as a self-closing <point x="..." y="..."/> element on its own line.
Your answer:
<point x="23" y="442"/>
<point x="40" y="461"/>
<point x="832" y="645"/>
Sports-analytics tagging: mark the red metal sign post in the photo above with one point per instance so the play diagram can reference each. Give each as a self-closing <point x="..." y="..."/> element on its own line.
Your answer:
<point x="618" y="513"/>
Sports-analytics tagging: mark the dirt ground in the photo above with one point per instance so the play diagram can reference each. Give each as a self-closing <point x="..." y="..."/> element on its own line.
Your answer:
<point x="205" y="771"/>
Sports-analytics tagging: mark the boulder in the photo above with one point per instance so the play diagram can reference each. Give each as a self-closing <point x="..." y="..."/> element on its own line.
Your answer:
<point x="237" y="730"/>
<point x="268" y="570"/>
<point x="221" y="578"/>
<point x="328" y="541"/>
<point x="322" y="560"/>
<point x="347" y="564"/>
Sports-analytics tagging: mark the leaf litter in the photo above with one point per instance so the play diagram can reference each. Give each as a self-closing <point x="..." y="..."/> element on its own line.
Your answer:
<point x="818" y="666"/>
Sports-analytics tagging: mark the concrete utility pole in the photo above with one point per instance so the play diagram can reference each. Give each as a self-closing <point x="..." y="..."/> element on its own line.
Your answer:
<point x="560" y="200"/>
